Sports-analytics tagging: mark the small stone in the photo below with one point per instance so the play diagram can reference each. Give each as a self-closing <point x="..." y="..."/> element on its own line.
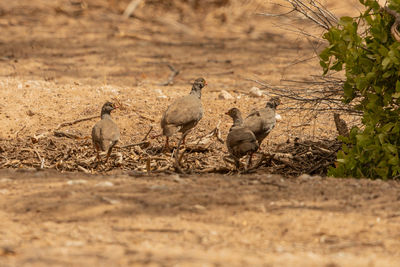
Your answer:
<point x="4" y="191"/>
<point x="199" y="207"/>
<point x="256" y="92"/>
<point x="110" y="201"/>
<point x="159" y="187"/>
<point x="305" y="176"/>
<point x="260" y="208"/>
<point x="225" y="95"/>
<point x="176" y="178"/>
<point x="75" y="182"/>
<point x="160" y="94"/>
<point x="158" y="91"/>
<point x="278" y="117"/>
<point x="105" y="184"/>
<point x="74" y="243"/>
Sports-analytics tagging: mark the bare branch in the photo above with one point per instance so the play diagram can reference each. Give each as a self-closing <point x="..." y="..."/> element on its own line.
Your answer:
<point x="174" y="73"/>
<point x="131" y="8"/>
<point x="76" y="121"/>
<point x="321" y="94"/>
<point x="311" y="10"/>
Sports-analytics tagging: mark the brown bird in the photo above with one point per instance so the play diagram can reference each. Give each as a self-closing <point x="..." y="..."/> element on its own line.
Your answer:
<point x="240" y="141"/>
<point x="105" y="133"/>
<point x="262" y="121"/>
<point x="184" y="113"/>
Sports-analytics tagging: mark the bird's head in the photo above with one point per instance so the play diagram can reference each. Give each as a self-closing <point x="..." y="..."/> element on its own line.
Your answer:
<point x="199" y="83"/>
<point x="108" y="107"/>
<point x="274" y="102"/>
<point x="233" y="113"/>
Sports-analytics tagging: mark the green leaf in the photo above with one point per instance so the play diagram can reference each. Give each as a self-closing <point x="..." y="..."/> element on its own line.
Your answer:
<point x="387" y="127"/>
<point x="370" y="60"/>
<point x="394" y="160"/>
<point x="346" y="21"/>
<point x="396" y="95"/>
<point x="385" y="63"/>
<point x="363" y="140"/>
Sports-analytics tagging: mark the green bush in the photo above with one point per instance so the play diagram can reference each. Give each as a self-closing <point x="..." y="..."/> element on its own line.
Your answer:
<point x="369" y="56"/>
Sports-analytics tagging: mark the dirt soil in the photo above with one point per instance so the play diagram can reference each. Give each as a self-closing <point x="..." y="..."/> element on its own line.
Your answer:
<point x="49" y="219"/>
<point x="61" y="60"/>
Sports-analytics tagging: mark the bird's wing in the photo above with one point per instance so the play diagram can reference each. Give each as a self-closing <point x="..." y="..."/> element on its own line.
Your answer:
<point x="96" y="133"/>
<point x="254" y="121"/>
<point x="269" y="119"/>
<point x="105" y="133"/>
<point x="240" y="135"/>
<point x="183" y="111"/>
<point x="110" y="130"/>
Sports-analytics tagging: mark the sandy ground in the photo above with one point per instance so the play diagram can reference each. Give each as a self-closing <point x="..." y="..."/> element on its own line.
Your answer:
<point x="258" y="220"/>
<point x="61" y="60"/>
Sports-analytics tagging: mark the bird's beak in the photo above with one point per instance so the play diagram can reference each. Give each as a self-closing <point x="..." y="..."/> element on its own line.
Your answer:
<point x="205" y="83"/>
<point x="227" y="113"/>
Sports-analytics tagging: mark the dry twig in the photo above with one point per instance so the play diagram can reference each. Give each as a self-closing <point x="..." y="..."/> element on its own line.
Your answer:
<point x="75" y="122"/>
<point x="131" y="8"/>
<point x="312" y="10"/>
<point x="68" y="135"/>
<point x="174" y="73"/>
<point x="321" y="94"/>
<point x="134" y="144"/>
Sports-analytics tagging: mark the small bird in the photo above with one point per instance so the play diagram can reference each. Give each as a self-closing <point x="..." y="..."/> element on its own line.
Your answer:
<point x="262" y="121"/>
<point x="105" y="133"/>
<point x="240" y="141"/>
<point x="184" y="113"/>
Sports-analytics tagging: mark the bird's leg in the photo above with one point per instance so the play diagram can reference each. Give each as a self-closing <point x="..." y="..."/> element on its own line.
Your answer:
<point x="166" y="147"/>
<point x="250" y="160"/>
<point x="237" y="163"/>
<point x="183" y="141"/>
<point x="108" y="154"/>
<point x="184" y="137"/>
<point x="177" y="158"/>
<point x="98" y="162"/>
<point x="155" y="136"/>
<point x="232" y="160"/>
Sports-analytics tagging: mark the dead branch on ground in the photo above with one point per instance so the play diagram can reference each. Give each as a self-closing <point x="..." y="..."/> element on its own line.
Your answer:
<point x="131" y="8"/>
<point x="68" y="135"/>
<point x="174" y="73"/>
<point x="75" y="122"/>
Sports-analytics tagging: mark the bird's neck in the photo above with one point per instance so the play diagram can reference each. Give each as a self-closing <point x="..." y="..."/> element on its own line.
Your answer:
<point x="196" y="91"/>
<point x="105" y="115"/>
<point x="237" y="121"/>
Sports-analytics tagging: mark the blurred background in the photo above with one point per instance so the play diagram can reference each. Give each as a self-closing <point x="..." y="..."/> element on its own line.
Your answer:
<point x="60" y="60"/>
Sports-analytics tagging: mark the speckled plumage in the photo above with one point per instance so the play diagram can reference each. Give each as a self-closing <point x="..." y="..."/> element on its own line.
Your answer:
<point x="185" y="112"/>
<point x="105" y="133"/>
<point x="262" y="121"/>
<point x="240" y="141"/>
